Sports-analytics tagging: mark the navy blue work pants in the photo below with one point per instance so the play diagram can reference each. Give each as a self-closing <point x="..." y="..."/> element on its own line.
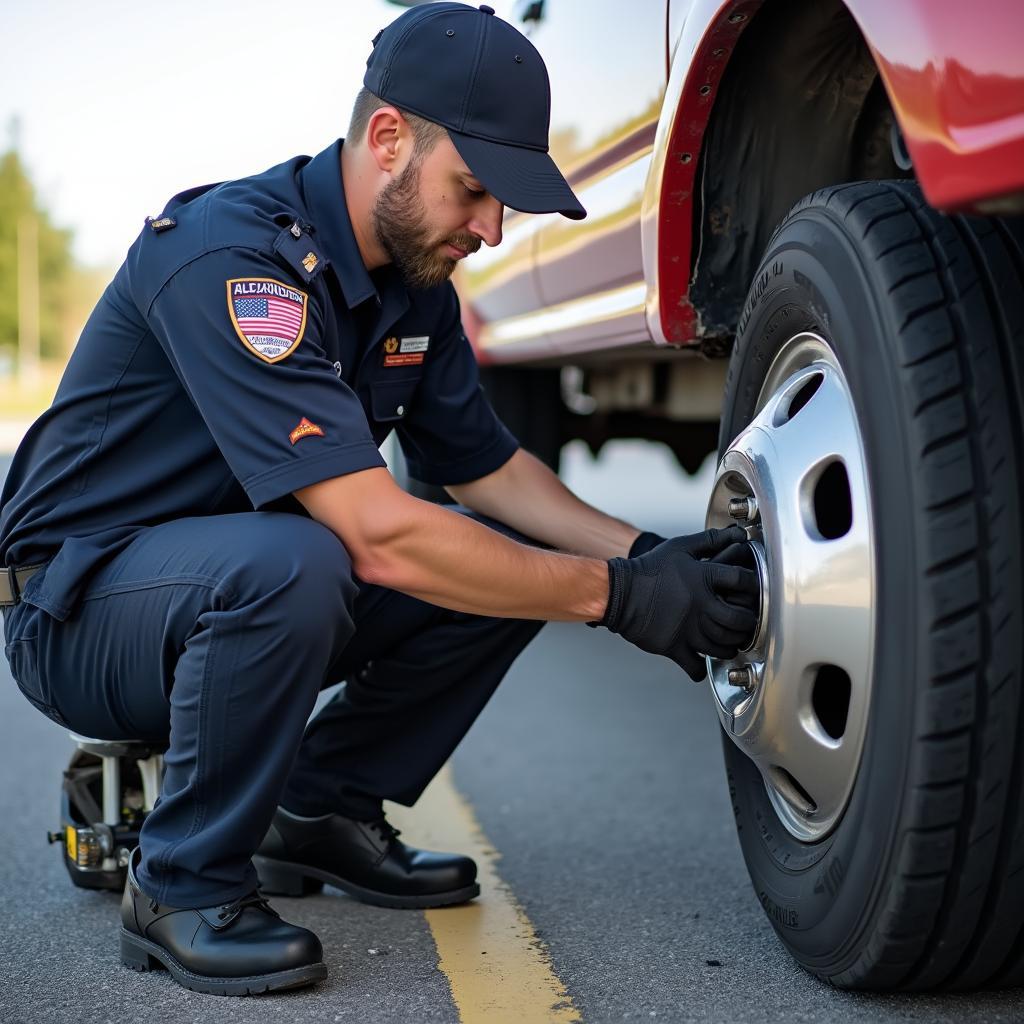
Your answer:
<point x="214" y="635"/>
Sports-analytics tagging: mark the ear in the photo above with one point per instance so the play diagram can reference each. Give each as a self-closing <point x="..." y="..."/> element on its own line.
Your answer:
<point x="388" y="137"/>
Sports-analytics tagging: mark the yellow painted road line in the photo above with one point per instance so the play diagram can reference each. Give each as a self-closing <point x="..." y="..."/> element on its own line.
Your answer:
<point x="498" y="970"/>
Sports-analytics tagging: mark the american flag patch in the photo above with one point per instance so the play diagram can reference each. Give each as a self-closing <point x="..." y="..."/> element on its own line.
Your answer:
<point x="268" y="316"/>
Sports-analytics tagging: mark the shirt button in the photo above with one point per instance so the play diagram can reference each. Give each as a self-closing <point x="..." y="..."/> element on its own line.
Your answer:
<point x="400" y="410"/>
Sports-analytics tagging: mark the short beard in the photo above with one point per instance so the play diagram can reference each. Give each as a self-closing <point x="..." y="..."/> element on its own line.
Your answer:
<point x="402" y="231"/>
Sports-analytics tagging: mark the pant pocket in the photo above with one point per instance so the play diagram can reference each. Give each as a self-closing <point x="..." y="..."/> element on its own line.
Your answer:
<point x="21" y="656"/>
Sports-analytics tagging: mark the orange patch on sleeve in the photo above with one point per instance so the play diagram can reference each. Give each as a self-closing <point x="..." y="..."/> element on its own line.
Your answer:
<point x="305" y="429"/>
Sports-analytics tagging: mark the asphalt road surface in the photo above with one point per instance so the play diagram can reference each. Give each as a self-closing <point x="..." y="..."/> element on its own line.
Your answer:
<point x="596" y="777"/>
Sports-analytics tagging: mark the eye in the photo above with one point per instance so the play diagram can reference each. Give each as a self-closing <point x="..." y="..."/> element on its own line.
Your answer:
<point x="473" y="192"/>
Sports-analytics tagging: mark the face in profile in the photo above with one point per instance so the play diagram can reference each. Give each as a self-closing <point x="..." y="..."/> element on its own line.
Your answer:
<point x="432" y="214"/>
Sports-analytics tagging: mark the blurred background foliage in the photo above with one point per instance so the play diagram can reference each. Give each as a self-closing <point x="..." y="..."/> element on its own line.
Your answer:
<point x="18" y="202"/>
<point x="67" y="291"/>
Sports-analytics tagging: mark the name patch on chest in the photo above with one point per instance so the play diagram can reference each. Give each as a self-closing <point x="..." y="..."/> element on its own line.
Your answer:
<point x="268" y="317"/>
<point x="405" y="351"/>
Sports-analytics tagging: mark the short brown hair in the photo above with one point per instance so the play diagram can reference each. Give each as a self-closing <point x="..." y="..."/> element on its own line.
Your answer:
<point x="425" y="133"/>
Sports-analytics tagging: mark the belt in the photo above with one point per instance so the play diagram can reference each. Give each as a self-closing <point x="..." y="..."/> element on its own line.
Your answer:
<point x="12" y="582"/>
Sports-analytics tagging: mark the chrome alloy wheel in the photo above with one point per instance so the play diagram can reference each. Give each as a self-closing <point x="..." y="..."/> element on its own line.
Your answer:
<point x="796" y="702"/>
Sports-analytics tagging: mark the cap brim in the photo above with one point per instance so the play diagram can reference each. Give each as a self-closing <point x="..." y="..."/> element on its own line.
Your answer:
<point x="524" y="179"/>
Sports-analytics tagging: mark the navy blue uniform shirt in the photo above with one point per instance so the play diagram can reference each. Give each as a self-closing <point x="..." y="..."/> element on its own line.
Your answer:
<point x="238" y="355"/>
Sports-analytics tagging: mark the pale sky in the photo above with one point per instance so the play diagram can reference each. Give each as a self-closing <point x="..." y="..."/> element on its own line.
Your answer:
<point x="122" y="104"/>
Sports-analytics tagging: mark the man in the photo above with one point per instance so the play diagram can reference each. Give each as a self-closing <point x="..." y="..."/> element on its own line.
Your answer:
<point x="201" y="534"/>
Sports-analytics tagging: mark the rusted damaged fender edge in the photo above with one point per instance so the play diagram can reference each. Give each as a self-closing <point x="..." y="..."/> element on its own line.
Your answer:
<point x="709" y="32"/>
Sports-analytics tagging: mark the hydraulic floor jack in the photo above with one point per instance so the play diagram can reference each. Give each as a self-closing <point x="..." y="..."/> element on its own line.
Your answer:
<point x="109" y="787"/>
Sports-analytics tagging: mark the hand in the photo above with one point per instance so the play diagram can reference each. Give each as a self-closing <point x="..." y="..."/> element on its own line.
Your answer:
<point x="644" y="543"/>
<point x="741" y="554"/>
<point x="670" y="602"/>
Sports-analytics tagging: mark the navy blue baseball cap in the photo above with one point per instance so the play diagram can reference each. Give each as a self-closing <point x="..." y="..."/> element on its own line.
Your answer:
<point x="465" y="69"/>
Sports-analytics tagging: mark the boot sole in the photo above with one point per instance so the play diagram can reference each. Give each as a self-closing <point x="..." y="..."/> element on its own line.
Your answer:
<point x="141" y="954"/>
<point x="284" y="878"/>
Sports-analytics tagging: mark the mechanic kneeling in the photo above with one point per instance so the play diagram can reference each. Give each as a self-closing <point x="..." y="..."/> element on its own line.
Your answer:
<point x="201" y="532"/>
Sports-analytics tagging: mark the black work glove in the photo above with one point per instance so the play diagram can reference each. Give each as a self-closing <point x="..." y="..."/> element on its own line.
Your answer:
<point x="741" y="554"/>
<point x="670" y="602"/>
<point x="644" y="543"/>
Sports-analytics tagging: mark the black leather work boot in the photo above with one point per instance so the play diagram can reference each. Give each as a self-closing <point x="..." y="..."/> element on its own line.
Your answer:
<point x="240" y="948"/>
<point x="363" y="858"/>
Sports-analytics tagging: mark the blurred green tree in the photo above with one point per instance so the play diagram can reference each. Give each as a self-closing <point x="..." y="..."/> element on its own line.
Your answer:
<point x="18" y="202"/>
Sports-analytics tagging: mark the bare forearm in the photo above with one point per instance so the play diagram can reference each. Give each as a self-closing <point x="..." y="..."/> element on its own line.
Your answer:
<point x="446" y="559"/>
<point x="528" y="496"/>
<point x="437" y="555"/>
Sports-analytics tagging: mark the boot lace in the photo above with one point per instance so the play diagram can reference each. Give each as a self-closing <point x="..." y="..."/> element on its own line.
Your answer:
<point x="253" y="899"/>
<point x="384" y="828"/>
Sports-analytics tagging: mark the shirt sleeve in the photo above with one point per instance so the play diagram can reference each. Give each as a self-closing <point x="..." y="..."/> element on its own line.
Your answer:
<point x="452" y="434"/>
<point x="246" y="344"/>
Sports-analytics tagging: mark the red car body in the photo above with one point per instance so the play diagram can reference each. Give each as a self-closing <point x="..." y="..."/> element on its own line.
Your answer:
<point x="621" y="284"/>
<point x="955" y="77"/>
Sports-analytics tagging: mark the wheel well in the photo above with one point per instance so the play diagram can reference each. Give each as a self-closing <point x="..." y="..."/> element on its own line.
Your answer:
<point x="801" y="106"/>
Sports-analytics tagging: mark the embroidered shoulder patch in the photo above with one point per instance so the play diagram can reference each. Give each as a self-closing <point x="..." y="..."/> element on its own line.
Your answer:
<point x="305" y="429"/>
<point x="268" y="316"/>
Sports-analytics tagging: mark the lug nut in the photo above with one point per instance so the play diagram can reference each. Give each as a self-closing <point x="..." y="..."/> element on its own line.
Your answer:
<point x="742" y="678"/>
<point x="743" y="509"/>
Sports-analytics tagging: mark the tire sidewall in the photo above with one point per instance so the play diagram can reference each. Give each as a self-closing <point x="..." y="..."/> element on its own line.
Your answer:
<point x="819" y="896"/>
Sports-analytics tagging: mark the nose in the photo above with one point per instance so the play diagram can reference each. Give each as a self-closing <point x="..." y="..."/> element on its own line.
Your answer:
<point x="486" y="221"/>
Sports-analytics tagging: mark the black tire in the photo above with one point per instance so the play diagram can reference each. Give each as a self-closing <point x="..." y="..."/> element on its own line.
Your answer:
<point x="921" y="883"/>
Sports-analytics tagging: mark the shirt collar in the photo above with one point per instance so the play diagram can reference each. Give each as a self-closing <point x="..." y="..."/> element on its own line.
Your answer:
<point x="325" y="196"/>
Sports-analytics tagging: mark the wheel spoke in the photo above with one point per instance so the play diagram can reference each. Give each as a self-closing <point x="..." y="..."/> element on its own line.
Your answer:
<point x="820" y="432"/>
<point x="820" y="766"/>
<point x="832" y="621"/>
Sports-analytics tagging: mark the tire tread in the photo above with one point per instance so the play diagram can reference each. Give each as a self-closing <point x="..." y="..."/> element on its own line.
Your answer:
<point x="950" y="911"/>
<point x="970" y="729"/>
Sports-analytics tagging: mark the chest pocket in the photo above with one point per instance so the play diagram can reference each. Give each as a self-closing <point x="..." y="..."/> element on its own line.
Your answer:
<point x="391" y="400"/>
